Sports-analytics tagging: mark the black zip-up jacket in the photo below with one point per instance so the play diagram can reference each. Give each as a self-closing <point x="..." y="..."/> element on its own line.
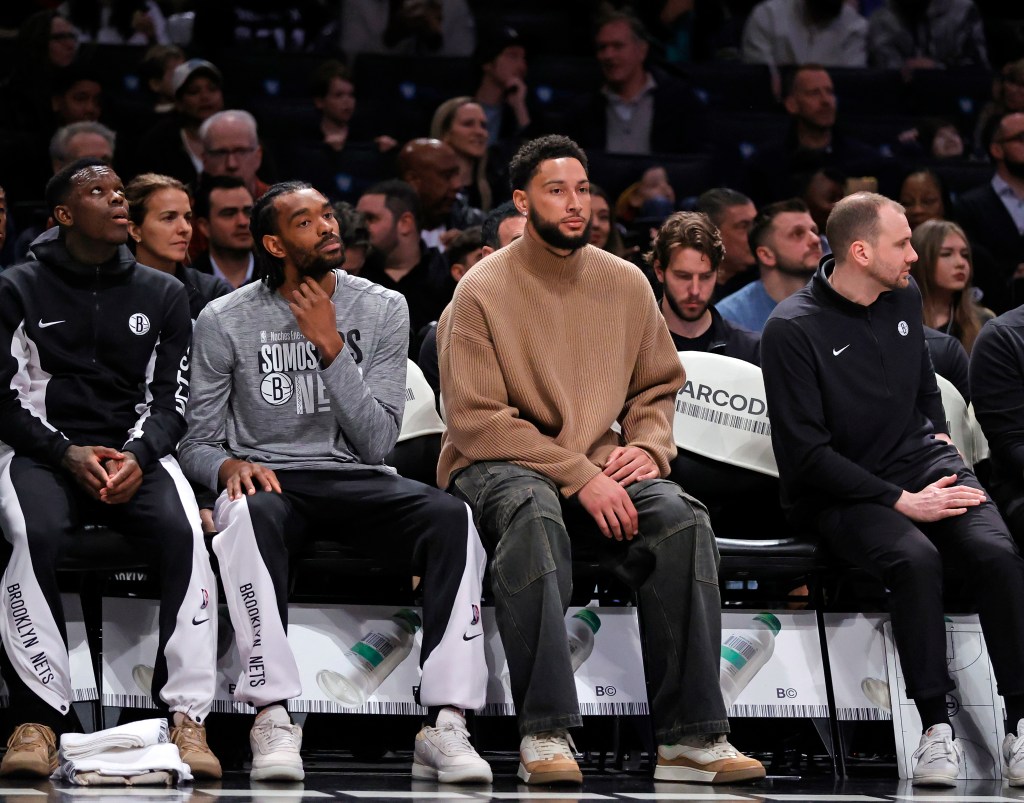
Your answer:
<point x="727" y="339"/>
<point x="92" y="356"/>
<point x="997" y="392"/>
<point x="852" y="397"/>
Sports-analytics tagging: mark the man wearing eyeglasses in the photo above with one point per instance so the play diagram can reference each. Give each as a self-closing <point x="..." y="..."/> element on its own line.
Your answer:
<point x="993" y="217"/>
<point x="231" y="147"/>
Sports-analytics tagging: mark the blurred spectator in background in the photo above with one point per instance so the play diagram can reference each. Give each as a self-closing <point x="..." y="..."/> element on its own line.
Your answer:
<point x="924" y="196"/>
<point x="992" y="215"/>
<point x="786" y="245"/>
<point x="119" y="22"/>
<point x="231" y="147"/>
<point x="157" y="70"/>
<point x="47" y="44"/>
<point x="932" y="138"/>
<point x="80" y="140"/>
<point x="222" y="209"/>
<point x="173" y="147"/>
<point x="502" y="92"/>
<point x="465" y="251"/>
<point x="821" y="189"/>
<point x="407" y="27"/>
<point x="355" y="236"/>
<point x="813" y="139"/>
<point x="77" y="96"/>
<point x="334" y="96"/>
<point x="259" y="25"/>
<point x="943" y="273"/>
<point x="732" y="213"/>
<point x="652" y="198"/>
<point x="924" y="34"/>
<point x="604" y="229"/>
<point x="638" y="109"/>
<point x="462" y="124"/>
<point x="431" y="168"/>
<point x="1007" y="97"/>
<point x="789" y="32"/>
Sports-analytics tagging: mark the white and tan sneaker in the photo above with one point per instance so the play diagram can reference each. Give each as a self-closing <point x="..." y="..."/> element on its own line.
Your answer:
<point x="548" y="757"/>
<point x="705" y="759"/>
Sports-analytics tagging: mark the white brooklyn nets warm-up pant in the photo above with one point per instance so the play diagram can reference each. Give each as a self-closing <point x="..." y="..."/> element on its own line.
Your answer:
<point x="416" y="527"/>
<point x="39" y="507"/>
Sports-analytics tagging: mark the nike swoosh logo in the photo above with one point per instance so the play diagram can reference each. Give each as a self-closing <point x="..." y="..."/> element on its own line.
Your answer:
<point x="200" y="621"/>
<point x="837" y="352"/>
<point x="470" y="638"/>
<point x="48" y="323"/>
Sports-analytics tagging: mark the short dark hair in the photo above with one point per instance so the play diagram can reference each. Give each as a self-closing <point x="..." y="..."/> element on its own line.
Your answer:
<point x="154" y="63"/>
<point x="607" y="14"/>
<point x="789" y="76"/>
<point x="58" y="188"/>
<point x="493" y="221"/>
<point x="263" y="222"/>
<point x="524" y="164"/>
<point x="466" y="242"/>
<point x="714" y="202"/>
<point x="762" y="224"/>
<point x="351" y="224"/>
<point x="687" y="230"/>
<point x="856" y="217"/>
<point x="204" y="187"/>
<point x="399" y="198"/>
<point x="320" y="80"/>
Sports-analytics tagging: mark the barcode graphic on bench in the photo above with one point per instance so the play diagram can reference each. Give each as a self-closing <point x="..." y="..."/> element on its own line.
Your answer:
<point x="779" y="711"/>
<point x="409" y="395"/>
<point x="721" y="417"/>
<point x="128" y="700"/>
<point x="85" y="695"/>
<point x="862" y="714"/>
<point x="586" y="709"/>
<point x="326" y="707"/>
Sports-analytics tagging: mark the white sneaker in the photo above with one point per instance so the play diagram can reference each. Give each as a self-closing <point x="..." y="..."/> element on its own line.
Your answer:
<point x="548" y="757"/>
<point x="938" y="758"/>
<point x="705" y="759"/>
<point x="275" y="743"/>
<point x="1013" y="756"/>
<point x="443" y="753"/>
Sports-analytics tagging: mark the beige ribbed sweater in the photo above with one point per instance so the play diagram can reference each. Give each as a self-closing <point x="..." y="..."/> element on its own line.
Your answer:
<point x="539" y="354"/>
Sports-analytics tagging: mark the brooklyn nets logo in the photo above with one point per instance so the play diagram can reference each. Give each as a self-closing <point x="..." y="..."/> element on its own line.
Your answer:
<point x="138" y="323"/>
<point x="277" y="388"/>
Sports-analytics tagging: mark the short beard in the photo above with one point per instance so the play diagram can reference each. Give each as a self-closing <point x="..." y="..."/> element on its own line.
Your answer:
<point x="798" y="270"/>
<point x="552" y="235"/>
<point x="678" y="311"/>
<point x="320" y="265"/>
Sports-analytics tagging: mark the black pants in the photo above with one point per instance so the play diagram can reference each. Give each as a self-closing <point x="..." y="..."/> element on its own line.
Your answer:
<point x="907" y="557"/>
<point x="411" y="525"/>
<point x="40" y="508"/>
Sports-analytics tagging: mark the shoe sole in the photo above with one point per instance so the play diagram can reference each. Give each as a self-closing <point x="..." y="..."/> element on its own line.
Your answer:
<point x="693" y="775"/>
<point x="559" y="776"/>
<point x="423" y="772"/>
<point x="934" y="780"/>
<point x="277" y="772"/>
<point x="1015" y="781"/>
<point x="205" y="772"/>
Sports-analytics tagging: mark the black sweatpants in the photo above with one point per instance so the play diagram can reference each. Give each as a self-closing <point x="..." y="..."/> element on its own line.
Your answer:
<point x="907" y="557"/>
<point x="407" y="523"/>
<point x="39" y="507"/>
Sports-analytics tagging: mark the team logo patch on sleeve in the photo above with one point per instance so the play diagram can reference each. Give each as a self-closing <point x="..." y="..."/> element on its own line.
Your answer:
<point x="903" y="329"/>
<point x="138" y="323"/>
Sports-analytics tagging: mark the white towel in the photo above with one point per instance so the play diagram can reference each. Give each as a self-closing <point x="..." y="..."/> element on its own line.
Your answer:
<point x="146" y="732"/>
<point x="132" y="763"/>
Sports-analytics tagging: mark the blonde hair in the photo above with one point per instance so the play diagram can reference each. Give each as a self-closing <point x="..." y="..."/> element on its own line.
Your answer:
<point x="441" y="124"/>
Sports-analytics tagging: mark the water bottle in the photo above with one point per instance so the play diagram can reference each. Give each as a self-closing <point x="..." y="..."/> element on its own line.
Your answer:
<point x="371" y="659"/>
<point x="580" y="629"/>
<point x="743" y="654"/>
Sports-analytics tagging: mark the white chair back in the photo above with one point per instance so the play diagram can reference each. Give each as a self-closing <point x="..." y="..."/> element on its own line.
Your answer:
<point x="957" y="419"/>
<point x="721" y="412"/>
<point x="981" y="450"/>
<point x="421" y="416"/>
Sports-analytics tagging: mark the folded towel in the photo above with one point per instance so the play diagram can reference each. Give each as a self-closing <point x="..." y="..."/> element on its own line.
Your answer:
<point x="143" y="733"/>
<point x="134" y="763"/>
<point x="159" y="778"/>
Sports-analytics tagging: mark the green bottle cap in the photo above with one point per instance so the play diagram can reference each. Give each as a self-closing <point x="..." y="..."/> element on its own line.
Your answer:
<point x="410" y="620"/>
<point x="592" y="619"/>
<point x="769" y="619"/>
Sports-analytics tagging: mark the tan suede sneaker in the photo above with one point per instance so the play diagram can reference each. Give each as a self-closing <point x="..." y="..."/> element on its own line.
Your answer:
<point x="705" y="759"/>
<point x="31" y="751"/>
<point x="190" y="737"/>
<point x="548" y="758"/>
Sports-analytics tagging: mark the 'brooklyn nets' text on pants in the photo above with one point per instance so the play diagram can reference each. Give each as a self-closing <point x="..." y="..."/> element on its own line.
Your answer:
<point x="412" y="526"/>
<point x="672" y="564"/>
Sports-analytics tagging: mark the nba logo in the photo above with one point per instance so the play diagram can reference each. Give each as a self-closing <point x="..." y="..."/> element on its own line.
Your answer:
<point x="138" y="323"/>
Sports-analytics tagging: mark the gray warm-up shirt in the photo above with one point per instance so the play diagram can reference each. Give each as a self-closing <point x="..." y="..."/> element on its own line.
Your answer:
<point x="259" y="393"/>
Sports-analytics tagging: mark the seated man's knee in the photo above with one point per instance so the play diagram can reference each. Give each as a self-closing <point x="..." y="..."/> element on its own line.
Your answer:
<point x="915" y="560"/>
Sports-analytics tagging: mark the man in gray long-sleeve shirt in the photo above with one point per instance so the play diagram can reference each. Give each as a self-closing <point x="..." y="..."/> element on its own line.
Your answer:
<point x="298" y="390"/>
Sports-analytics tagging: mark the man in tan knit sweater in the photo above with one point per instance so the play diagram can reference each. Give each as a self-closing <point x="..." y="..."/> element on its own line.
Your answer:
<point x="545" y="345"/>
